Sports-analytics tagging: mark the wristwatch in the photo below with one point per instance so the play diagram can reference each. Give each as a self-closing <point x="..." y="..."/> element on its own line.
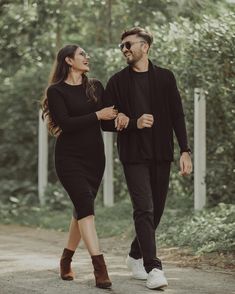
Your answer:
<point x="187" y="150"/>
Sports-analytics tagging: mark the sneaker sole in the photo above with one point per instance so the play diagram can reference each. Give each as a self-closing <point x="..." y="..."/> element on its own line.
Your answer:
<point x="157" y="287"/>
<point x="139" y="278"/>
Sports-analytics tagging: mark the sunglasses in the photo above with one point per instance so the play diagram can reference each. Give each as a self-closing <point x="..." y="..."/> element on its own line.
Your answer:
<point x="128" y="44"/>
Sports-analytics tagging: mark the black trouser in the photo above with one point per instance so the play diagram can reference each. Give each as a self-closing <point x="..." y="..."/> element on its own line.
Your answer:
<point x="148" y="186"/>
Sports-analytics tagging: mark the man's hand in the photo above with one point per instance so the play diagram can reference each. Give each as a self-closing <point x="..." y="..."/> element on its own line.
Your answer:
<point x="185" y="164"/>
<point x="145" y="121"/>
<point x="121" y="121"/>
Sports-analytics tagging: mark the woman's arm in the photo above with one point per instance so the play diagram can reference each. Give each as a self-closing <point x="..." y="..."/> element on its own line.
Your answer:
<point x="60" y="114"/>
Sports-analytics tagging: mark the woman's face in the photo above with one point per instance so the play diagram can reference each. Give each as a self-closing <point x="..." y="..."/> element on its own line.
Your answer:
<point x="80" y="62"/>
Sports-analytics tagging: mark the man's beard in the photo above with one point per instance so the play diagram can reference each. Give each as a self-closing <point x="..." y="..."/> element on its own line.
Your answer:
<point x="133" y="60"/>
<point x="130" y="62"/>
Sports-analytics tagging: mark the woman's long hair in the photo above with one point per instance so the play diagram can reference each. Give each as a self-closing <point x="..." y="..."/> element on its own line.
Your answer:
<point x="59" y="73"/>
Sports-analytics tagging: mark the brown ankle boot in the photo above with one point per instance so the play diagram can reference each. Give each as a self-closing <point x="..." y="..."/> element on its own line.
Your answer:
<point x="100" y="272"/>
<point x="65" y="265"/>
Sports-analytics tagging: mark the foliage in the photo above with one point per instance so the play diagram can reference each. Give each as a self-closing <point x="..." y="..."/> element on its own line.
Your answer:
<point x="198" y="47"/>
<point x="35" y="216"/>
<point x="21" y="190"/>
<point x="205" y="231"/>
<point x="201" y="56"/>
<point x="110" y="221"/>
<point x="116" y="220"/>
<point x="56" y="198"/>
<point x="18" y="111"/>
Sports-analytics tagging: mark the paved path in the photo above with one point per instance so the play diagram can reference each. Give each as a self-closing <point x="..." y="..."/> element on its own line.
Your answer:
<point x="29" y="264"/>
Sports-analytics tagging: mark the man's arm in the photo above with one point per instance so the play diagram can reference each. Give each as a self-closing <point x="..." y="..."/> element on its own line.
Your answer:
<point x="122" y="123"/>
<point x="177" y="116"/>
<point x="109" y="99"/>
<point x="61" y="115"/>
<point x="179" y="127"/>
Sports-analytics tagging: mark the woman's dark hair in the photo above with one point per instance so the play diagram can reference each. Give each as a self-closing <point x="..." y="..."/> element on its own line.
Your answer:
<point x="59" y="73"/>
<point x="140" y="32"/>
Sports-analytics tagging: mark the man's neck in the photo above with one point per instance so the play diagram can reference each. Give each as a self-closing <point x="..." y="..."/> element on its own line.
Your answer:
<point x="141" y="66"/>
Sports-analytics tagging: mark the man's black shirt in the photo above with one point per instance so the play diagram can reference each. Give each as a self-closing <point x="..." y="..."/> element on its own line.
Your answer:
<point x="141" y="105"/>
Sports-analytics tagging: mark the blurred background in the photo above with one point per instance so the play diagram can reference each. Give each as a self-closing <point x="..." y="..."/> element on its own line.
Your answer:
<point x="193" y="38"/>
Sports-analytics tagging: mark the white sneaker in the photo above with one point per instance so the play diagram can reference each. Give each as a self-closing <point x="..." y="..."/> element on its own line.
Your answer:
<point x="156" y="279"/>
<point x="137" y="268"/>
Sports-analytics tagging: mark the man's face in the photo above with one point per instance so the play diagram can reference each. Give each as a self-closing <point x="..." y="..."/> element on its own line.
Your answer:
<point x="134" y="49"/>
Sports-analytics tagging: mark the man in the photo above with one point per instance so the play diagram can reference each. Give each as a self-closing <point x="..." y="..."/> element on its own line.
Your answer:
<point x="150" y="109"/>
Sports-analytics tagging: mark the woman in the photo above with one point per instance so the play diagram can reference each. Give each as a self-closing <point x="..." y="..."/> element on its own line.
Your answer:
<point x="72" y="107"/>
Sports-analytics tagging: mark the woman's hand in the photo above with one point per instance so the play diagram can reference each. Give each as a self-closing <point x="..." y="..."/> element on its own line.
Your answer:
<point x="107" y="113"/>
<point x="121" y="121"/>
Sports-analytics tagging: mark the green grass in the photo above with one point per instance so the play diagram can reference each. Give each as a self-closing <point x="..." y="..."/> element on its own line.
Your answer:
<point x="110" y="221"/>
<point x="116" y="220"/>
<point x="38" y="217"/>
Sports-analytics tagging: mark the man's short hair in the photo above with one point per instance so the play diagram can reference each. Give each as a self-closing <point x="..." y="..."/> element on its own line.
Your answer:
<point x="140" y="32"/>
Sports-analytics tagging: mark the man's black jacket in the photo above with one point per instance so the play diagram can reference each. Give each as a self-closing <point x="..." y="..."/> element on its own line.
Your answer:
<point x="166" y="108"/>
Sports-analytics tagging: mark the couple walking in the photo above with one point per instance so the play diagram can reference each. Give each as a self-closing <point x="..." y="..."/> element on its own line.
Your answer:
<point x="142" y="104"/>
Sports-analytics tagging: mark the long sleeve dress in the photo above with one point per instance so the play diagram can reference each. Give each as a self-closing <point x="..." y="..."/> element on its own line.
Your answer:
<point x="79" y="149"/>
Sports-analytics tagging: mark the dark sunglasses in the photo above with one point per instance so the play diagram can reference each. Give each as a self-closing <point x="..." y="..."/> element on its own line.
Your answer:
<point x="128" y="44"/>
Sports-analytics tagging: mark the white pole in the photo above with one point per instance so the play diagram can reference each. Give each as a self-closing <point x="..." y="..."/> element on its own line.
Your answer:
<point x="42" y="158"/>
<point x="199" y="149"/>
<point x="26" y="4"/>
<point x="108" y="173"/>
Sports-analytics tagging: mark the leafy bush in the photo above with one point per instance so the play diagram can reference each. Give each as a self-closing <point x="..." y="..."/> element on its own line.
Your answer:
<point x="16" y="206"/>
<point x="205" y="231"/>
<point x="19" y="118"/>
<point x="202" y="56"/>
<point x="56" y="198"/>
<point x="25" y="191"/>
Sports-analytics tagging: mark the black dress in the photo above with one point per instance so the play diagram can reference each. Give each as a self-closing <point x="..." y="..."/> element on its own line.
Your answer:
<point x="79" y="149"/>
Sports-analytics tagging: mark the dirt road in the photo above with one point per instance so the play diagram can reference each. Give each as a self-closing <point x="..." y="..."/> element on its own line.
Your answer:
<point x="29" y="264"/>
